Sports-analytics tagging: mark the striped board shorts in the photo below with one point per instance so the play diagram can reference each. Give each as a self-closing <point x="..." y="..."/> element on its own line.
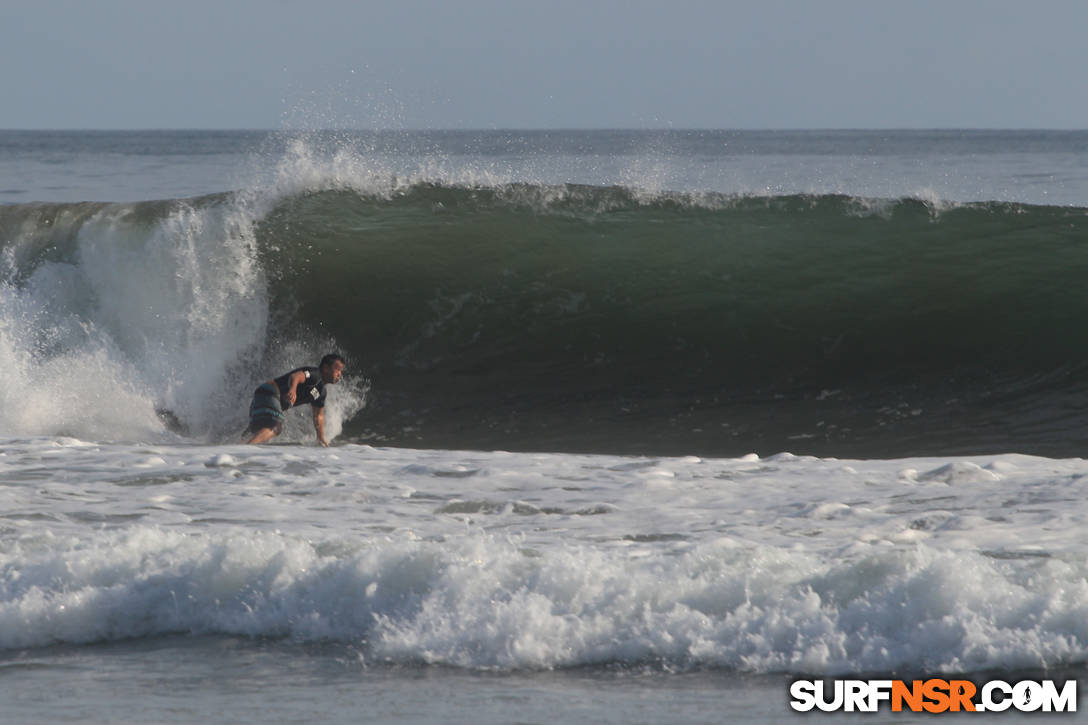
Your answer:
<point x="265" y="411"/>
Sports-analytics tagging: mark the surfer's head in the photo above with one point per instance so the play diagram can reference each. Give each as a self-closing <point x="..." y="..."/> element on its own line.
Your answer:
<point x="332" y="368"/>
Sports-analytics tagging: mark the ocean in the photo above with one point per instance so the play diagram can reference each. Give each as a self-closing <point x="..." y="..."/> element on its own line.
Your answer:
<point x="636" y="426"/>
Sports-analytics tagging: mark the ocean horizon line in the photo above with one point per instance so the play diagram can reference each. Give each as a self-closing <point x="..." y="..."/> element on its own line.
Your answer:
<point x="555" y="129"/>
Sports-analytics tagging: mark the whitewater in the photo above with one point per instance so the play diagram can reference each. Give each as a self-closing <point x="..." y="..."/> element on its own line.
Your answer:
<point x="637" y="426"/>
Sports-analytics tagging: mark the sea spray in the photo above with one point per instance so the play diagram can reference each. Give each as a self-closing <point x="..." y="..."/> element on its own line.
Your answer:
<point x="142" y="306"/>
<point x="142" y="315"/>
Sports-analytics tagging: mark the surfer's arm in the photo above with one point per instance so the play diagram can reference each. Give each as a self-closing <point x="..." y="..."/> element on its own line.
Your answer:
<point x="319" y="425"/>
<point x="297" y="377"/>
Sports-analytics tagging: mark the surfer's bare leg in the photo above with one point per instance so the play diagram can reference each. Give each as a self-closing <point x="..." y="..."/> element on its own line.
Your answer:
<point x="263" y="436"/>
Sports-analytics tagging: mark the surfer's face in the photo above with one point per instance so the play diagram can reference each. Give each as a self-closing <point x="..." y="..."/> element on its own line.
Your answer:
<point x="333" y="372"/>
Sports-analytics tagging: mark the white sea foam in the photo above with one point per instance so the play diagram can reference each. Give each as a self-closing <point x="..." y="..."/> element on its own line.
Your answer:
<point x="517" y="561"/>
<point x="135" y="309"/>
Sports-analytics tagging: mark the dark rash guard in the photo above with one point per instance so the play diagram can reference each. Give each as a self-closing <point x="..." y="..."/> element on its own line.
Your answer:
<point x="311" y="390"/>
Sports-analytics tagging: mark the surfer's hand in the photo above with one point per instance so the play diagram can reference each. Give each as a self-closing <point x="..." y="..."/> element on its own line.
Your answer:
<point x="290" y="397"/>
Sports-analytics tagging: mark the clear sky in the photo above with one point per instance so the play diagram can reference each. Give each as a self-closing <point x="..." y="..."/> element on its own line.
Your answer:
<point x="543" y="64"/>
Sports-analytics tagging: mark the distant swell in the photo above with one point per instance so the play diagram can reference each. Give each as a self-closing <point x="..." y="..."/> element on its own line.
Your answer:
<point x="586" y="318"/>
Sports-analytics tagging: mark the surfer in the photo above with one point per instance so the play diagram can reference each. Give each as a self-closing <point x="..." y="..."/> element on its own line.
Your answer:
<point x="301" y="385"/>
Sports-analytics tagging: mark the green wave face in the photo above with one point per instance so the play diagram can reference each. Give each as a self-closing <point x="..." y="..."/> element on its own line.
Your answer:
<point x="590" y="318"/>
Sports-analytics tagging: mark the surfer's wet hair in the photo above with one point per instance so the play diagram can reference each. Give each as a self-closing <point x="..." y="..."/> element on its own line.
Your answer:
<point x="331" y="358"/>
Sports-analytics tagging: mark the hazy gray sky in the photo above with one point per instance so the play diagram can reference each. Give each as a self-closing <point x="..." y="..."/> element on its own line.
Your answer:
<point x="543" y="64"/>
